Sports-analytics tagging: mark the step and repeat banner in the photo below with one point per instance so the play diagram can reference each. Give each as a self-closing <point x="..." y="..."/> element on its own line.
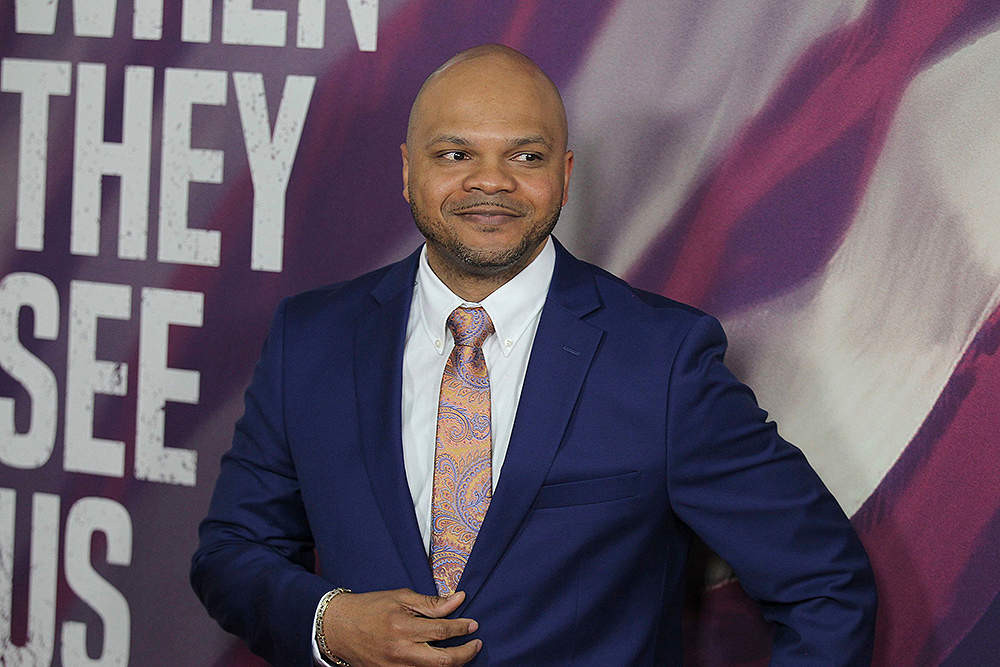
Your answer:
<point x="823" y="175"/>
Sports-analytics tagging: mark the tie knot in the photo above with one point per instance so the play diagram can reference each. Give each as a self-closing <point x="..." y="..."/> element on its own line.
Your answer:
<point x="470" y="326"/>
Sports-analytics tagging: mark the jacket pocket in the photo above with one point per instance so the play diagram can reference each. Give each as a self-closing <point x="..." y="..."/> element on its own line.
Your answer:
<point x="587" y="491"/>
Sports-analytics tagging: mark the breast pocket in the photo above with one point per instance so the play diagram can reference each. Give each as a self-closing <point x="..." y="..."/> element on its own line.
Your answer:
<point x="587" y="491"/>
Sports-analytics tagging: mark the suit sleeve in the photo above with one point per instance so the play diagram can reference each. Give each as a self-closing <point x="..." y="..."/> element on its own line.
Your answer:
<point x="253" y="569"/>
<point x="754" y="499"/>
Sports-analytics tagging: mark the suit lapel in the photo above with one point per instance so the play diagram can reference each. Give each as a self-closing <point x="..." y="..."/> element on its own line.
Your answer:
<point x="561" y="356"/>
<point x="378" y="365"/>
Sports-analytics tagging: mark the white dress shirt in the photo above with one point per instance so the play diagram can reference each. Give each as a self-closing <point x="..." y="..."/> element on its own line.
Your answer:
<point x="515" y="309"/>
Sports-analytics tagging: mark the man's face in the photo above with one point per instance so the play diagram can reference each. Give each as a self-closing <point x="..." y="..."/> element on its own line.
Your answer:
<point x="485" y="169"/>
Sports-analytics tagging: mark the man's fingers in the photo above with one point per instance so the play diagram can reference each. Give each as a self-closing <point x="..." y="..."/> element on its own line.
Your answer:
<point x="439" y="629"/>
<point x="433" y="606"/>
<point x="455" y="656"/>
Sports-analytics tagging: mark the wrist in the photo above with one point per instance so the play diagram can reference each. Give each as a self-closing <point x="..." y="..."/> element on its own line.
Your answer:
<point x="324" y="650"/>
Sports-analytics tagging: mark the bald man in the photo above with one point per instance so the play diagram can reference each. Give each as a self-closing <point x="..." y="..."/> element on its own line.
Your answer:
<point x="500" y="453"/>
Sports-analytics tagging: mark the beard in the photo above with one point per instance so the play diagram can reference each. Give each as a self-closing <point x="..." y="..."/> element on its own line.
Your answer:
<point x="481" y="262"/>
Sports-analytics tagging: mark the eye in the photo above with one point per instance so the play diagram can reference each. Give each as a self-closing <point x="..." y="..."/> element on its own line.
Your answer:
<point x="454" y="156"/>
<point x="529" y="158"/>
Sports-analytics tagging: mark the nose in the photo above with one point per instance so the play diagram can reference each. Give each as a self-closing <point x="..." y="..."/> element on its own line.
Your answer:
<point x="490" y="177"/>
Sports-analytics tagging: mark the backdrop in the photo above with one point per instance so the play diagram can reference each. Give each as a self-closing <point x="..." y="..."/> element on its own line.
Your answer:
<point x="820" y="174"/>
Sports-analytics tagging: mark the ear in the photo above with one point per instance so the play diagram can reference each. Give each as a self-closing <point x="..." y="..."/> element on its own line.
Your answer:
<point x="568" y="171"/>
<point x="406" y="172"/>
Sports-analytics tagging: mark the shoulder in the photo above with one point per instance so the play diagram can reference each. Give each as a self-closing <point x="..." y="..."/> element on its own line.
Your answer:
<point x="346" y="300"/>
<point x="646" y="335"/>
<point x="650" y="330"/>
<point x="626" y="306"/>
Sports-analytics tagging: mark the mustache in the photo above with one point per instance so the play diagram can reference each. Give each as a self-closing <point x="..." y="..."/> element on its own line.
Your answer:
<point x="483" y="202"/>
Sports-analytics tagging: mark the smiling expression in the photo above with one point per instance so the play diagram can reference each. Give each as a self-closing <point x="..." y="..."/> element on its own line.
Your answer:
<point x="485" y="165"/>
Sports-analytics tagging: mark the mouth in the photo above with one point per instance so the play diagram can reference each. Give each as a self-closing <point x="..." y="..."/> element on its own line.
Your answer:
<point x="487" y="215"/>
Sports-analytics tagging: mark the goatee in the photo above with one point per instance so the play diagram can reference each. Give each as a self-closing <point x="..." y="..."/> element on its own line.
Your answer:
<point x="482" y="262"/>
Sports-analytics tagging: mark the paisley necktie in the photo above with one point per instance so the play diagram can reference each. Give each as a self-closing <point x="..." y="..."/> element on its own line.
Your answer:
<point x="463" y="450"/>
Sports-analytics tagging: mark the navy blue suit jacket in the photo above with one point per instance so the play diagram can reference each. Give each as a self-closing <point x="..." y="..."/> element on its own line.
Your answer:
<point x="629" y="435"/>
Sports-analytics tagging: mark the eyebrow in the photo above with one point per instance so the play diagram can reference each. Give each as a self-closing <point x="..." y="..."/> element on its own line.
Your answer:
<point x="527" y="141"/>
<point x="448" y="139"/>
<point x="513" y="143"/>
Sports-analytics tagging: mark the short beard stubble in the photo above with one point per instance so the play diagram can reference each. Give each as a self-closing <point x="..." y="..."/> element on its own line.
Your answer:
<point x="480" y="263"/>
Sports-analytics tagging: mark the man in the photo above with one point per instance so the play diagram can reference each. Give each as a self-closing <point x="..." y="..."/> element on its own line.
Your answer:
<point x="380" y="430"/>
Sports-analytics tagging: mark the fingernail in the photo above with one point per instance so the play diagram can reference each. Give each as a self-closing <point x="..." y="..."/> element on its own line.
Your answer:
<point x="473" y="626"/>
<point x="479" y="645"/>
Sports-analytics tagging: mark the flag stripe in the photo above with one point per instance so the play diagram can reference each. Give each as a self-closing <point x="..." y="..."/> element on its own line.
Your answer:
<point x="845" y="89"/>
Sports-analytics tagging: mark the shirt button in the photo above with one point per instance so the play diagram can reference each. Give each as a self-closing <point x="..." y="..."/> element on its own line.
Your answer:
<point x="508" y="342"/>
<point x="437" y="343"/>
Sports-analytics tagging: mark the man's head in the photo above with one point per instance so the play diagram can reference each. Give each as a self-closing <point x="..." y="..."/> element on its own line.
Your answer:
<point x="485" y="165"/>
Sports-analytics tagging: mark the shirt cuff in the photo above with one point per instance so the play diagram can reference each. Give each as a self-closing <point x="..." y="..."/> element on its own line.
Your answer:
<point x="318" y="659"/>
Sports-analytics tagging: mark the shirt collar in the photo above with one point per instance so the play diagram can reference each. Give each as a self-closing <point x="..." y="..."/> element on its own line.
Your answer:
<point x="511" y="307"/>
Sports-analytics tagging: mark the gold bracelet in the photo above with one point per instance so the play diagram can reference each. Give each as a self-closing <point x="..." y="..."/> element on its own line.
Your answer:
<point x="320" y="637"/>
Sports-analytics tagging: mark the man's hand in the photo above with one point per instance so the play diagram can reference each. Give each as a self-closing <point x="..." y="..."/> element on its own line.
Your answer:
<point x="394" y="627"/>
